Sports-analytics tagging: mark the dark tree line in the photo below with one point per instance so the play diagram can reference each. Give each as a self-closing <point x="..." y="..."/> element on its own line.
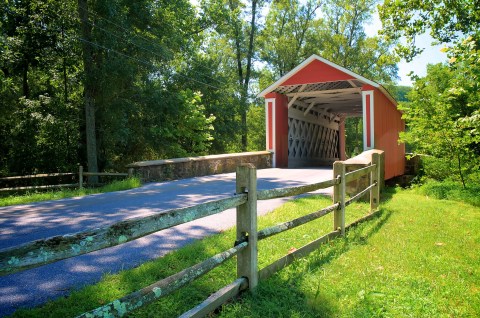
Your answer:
<point x="105" y="83"/>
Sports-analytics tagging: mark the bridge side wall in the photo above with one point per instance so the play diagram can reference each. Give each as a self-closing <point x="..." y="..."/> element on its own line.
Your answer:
<point x="387" y="127"/>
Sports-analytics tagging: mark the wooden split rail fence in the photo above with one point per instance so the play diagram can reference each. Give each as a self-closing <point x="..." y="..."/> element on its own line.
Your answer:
<point x="41" y="252"/>
<point x="80" y="184"/>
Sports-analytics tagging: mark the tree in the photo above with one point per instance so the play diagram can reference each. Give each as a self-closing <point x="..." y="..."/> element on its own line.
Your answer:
<point x="39" y="120"/>
<point x="90" y="87"/>
<point x="289" y="26"/>
<point x="437" y="119"/>
<point x="237" y="23"/>
<point x="449" y="93"/>
<point x="446" y="21"/>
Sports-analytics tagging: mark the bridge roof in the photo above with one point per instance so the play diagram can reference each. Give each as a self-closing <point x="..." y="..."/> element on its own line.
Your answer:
<point x="322" y="84"/>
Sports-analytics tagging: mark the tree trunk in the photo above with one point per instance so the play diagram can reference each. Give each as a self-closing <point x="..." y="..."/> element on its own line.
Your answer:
<point x="89" y="90"/>
<point x="26" y="88"/>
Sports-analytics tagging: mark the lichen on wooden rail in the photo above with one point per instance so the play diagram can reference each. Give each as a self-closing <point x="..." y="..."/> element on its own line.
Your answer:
<point x="54" y="186"/>
<point x="43" y="175"/>
<point x="359" y="173"/>
<point x="288" y="192"/>
<point x="105" y="174"/>
<point x="41" y="252"/>
<point x="279" y="228"/>
<point x="283" y="262"/>
<point x="363" y="219"/>
<point x="124" y="305"/>
<point x="360" y="194"/>
<point x="217" y="299"/>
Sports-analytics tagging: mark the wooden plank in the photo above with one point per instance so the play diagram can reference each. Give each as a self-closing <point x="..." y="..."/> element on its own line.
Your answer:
<point x="375" y="177"/>
<point x="283" y="262"/>
<point x="310" y="247"/>
<point x="44" y="251"/>
<point x="44" y="175"/>
<point x="290" y="103"/>
<point x="105" y="174"/>
<point x="298" y="114"/>
<point x="273" y="230"/>
<point x="217" y="299"/>
<point x="339" y="197"/>
<point x="305" y="113"/>
<point x="325" y="92"/>
<point x="353" y="175"/>
<point x="359" y="195"/>
<point x="363" y="219"/>
<point x="53" y="186"/>
<point x="80" y="177"/>
<point x="288" y="192"/>
<point x="124" y="305"/>
<point x="352" y="83"/>
<point x="247" y="260"/>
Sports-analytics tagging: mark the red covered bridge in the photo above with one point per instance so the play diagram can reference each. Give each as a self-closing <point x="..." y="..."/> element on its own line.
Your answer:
<point x="306" y="111"/>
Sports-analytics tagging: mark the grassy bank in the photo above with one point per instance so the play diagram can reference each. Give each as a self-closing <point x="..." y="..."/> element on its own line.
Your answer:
<point x="419" y="258"/>
<point x="30" y="197"/>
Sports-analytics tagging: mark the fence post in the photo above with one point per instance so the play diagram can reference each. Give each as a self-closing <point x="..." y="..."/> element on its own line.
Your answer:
<point x="80" y="177"/>
<point x="339" y="196"/>
<point x="247" y="259"/>
<point x="375" y="177"/>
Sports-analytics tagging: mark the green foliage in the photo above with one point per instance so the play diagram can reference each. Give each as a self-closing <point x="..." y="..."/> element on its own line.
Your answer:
<point x="162" y="78"/>
<point x="353" y="136"/>
<point x="293" y="31"/>
<point x="446" y="21"/>
<point x="289" y="26"/>
<point x="401" y="93"/>
<point x="442" y="116"/>
<point x="343" y="38"/>
<point x="256" y="128"/>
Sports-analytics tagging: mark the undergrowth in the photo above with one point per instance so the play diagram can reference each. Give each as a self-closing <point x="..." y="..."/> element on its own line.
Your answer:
<point x="450" y="190"/>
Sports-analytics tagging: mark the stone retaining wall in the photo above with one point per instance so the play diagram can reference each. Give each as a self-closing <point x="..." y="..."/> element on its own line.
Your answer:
<point x="362" y="160"/>
<point x="180" y="168"/>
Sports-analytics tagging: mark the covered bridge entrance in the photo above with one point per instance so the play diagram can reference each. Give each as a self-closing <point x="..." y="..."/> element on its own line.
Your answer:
<point x="306" y="111"/>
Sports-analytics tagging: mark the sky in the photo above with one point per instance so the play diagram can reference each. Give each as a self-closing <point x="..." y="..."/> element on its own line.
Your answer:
<point x="431" y="54"/>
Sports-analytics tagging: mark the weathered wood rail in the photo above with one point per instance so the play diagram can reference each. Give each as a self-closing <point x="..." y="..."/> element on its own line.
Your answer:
<point x="52" y="249"/>
<point x="79" y="176"/>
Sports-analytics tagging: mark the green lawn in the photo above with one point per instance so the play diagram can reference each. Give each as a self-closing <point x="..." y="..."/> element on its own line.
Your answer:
<point x="46" y="195"/>
<point x="419" y="258"/>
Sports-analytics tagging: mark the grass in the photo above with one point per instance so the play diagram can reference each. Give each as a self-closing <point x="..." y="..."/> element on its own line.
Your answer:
<point x="419" y="258"/>
<point x="38" y="196"/>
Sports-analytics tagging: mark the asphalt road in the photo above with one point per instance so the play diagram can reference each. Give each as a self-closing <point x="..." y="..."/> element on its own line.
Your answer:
<point x="24" y="223"/>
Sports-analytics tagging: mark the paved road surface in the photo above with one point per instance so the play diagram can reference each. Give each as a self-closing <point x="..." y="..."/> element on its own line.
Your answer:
<point x="20" y="224"/>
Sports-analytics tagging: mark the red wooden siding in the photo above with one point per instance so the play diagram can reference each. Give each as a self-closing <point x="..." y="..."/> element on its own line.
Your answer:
<point x="281" y="133"/>
<point x="317" y="71"/>
<point x="388" y="123"/>
<point x="270" y="126"/>
<point x="368" y="119"/>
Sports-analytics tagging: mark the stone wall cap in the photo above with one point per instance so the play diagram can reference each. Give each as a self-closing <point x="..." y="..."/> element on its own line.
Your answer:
<point x="363" y="158"/>
<point x="199" y="158"/>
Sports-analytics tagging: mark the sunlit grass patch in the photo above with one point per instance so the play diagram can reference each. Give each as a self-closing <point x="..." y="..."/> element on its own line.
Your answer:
<point x="417" y="258"/>
<point x="38" y="196"/>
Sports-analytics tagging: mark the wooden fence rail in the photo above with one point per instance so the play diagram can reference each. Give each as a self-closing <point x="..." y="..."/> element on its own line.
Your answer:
<point x="78" y="184"/>
<point x="49" y="250"/>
